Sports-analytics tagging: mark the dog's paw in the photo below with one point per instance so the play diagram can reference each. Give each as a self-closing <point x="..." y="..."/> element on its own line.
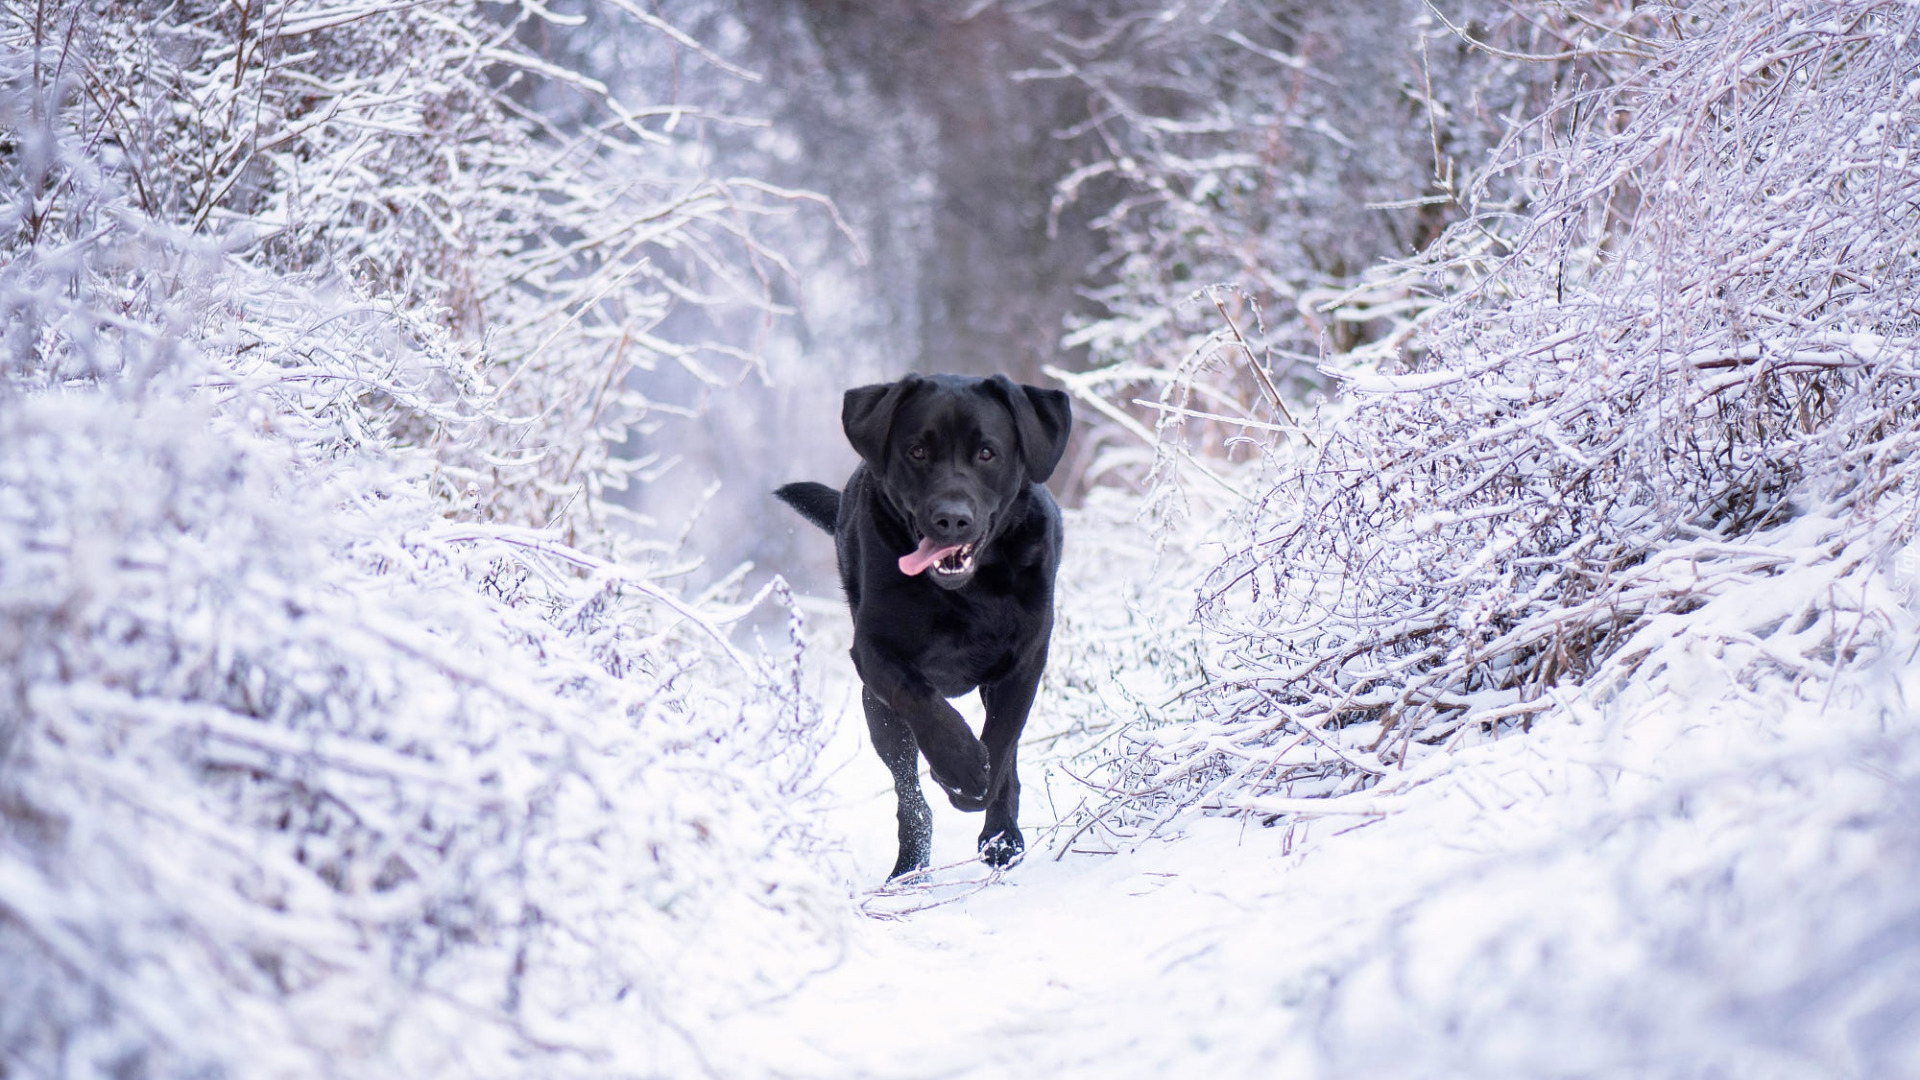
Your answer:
<point x="964" y="776"/>
<point x="909" y="863"/>
<point x="1003" y="848"/>
<point x="968" y="801"/>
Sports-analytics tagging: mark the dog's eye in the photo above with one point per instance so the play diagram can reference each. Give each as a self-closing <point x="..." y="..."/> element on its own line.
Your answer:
<point x="986" y="453"/>
<point x="917" y="452"/>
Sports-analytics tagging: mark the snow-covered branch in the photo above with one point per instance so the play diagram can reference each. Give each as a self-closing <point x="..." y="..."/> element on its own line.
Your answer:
<point x="1619" y="403"/>
<point x="348" y="730"/>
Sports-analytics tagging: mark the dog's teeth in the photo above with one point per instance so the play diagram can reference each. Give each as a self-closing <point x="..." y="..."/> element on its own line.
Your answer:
<point x="960" y="562"/>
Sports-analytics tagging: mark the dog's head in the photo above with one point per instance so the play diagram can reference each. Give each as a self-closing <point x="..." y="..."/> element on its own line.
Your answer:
<point x="952" y="455"/>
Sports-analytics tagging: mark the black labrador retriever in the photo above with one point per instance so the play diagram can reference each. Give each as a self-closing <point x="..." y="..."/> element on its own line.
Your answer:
<point x="948" y="541"/>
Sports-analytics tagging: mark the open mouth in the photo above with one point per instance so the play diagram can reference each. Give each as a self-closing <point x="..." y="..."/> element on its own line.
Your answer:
<point x="955" y="562"/>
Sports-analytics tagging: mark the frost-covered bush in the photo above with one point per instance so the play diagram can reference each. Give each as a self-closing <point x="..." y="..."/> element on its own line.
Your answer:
<point x="286" y="793"/>
<point x="1698" y="326"/>
<point x="1706" y="864"/>
<point x="383" y="149"/>
<point x="1289" y="148"/>
<point x="342" y="734"/>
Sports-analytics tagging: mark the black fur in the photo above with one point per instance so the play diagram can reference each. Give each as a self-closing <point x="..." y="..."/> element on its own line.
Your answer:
<point x="919" y="640"/>
<point x="817" y="503"/>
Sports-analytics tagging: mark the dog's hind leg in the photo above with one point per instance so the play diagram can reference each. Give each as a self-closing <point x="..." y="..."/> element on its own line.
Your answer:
<point x="893" y="740"/>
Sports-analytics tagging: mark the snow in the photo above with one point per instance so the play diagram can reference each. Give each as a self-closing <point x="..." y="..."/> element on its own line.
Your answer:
<point x="1541" y="707"/>
<point x="1688" y="877"/>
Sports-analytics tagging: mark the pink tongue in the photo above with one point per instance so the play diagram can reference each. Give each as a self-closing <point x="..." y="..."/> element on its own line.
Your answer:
<point x="924" y="556"/>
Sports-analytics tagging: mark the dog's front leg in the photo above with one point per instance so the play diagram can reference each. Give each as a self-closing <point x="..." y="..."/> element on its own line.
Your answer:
<point x="956" y="760"/>
<point x="1008" y="702"/>
<point x="893" y="741"/>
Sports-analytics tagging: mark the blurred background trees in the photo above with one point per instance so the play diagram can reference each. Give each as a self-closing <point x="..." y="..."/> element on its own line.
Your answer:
<point x="1020" y="185"/>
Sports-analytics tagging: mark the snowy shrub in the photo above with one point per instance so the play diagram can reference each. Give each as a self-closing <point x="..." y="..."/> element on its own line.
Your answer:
<point x="1695" y="327"/>
<point x="1709" y="868"/>
<point x="284" y="792"/>
<point x="382" y="149"/>
<point x="1287" y="149"/>
<point x="1702" y="864"/>
<point x="345" y="733"/>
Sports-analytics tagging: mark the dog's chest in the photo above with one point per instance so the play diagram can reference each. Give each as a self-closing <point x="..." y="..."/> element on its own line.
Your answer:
<point x="967" y="642"/>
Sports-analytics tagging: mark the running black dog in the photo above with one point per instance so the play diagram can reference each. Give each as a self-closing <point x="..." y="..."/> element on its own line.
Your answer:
<point x="948" y="543"/>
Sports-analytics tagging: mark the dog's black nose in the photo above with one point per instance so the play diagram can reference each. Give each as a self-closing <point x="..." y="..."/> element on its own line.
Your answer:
<point x="949" y="521"/>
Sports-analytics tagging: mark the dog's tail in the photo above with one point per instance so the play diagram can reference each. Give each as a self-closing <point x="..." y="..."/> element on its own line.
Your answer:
<point x="817" y="503"/>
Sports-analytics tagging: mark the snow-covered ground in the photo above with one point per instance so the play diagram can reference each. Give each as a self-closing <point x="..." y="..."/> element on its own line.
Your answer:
<point x="1699" y="874"/>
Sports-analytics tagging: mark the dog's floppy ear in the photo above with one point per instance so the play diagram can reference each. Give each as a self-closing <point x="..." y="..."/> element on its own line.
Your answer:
<point x="867" y="415"/>
<point x="1043" y="419"/>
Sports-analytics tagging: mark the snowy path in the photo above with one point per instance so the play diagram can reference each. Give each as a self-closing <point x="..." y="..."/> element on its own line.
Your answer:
<point x="1129" y="964"/>
<point x="1632" y="891"/>
<point x="1179" y="956"/>
<point x="1043" y="971"/>
<point x="1048" y="967"/>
